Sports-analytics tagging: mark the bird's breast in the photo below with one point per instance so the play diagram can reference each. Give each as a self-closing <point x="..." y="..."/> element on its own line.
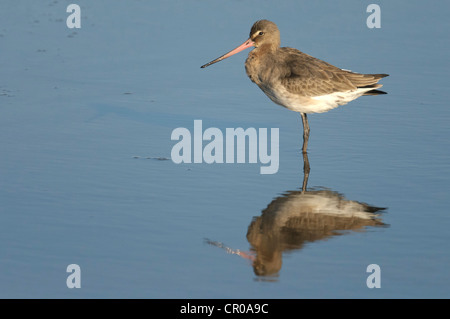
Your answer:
<point x="252" y="67"/>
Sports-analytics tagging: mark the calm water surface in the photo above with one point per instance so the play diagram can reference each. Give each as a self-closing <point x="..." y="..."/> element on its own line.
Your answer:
<point x="86" y="176"/>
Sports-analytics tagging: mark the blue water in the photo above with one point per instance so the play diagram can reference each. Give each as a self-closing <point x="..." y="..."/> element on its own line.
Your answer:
<point x="86" y="177"/>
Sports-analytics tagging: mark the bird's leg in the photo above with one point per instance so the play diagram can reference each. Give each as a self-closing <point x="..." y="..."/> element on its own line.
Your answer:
<point x="305" y="131"/>
<point x="306" y="169"/>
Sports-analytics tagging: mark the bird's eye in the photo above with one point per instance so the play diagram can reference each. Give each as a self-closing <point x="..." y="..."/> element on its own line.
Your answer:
<point x="261" y="33"/>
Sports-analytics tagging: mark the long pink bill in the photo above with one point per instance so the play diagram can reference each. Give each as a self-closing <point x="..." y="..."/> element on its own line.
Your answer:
<point x="247" y="44"/>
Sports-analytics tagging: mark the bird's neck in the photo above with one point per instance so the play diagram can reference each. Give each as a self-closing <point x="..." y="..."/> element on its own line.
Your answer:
<point x="267" y="48"/>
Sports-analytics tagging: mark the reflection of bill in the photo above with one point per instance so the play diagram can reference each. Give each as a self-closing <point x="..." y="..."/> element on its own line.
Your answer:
<point x="246" y="255"/>
<point x="300" y="217"/>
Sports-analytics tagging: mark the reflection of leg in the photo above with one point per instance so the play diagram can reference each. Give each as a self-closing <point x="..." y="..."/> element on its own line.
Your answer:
<point x="305" y="131"/>
<point x="306" y="169"/>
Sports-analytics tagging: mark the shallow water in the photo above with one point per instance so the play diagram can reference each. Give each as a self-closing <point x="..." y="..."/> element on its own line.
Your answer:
<point x="87" y="176"/>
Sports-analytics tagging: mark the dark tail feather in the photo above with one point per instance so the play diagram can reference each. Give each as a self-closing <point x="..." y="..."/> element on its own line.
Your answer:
<point x="379" y="76"/>
<point x="374" y="92"/>
<point x="374" y="87"/>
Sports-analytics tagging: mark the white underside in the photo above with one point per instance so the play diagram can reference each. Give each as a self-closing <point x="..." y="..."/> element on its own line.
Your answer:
<point x="314" y="104"/>
<point x="321" y="203"/>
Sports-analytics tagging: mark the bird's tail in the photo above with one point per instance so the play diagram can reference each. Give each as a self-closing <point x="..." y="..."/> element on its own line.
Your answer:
<point x="378" y="76"/>
<point x="367" y="82"/>
<point x="374" y="92"/>
<point x="375" y="78"/>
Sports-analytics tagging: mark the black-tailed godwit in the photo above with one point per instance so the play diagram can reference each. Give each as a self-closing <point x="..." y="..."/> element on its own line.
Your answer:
<point x="296" y="80"/>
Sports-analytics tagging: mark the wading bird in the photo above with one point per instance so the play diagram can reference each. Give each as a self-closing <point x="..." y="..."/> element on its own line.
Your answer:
<point x="296" y="80"/>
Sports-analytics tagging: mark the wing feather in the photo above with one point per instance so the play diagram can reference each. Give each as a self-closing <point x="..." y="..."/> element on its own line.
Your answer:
<point x="303" y="74"/>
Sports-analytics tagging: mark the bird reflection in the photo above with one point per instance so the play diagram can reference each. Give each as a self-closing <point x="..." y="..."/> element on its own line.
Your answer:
<point x="299" y="217"/>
